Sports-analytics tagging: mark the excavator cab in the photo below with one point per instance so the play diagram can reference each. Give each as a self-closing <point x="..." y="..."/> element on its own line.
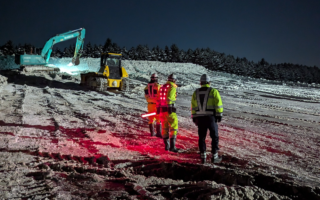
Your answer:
<point x="110" y="65"/>
<point x="110" y="74"/>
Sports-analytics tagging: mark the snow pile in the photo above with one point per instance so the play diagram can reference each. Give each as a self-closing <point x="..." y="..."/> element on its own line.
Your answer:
<point x="144" y="69"/>
<point x="188" y="73"/>
<point x="140" y="70"/>
<point x="3" y="80"/>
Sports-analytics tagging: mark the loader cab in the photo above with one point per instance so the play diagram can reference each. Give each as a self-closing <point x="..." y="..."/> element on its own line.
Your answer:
<point x="112" y="63"/>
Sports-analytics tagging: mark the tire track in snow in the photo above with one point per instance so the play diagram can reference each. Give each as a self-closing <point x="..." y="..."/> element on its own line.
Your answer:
<point x="13" y="97"/>
<point x="285" y="151"/>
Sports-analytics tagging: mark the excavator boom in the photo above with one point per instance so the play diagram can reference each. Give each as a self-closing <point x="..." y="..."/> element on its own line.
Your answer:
<point x="79" y="33"/>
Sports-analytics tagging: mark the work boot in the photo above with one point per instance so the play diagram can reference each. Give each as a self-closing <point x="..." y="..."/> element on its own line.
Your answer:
<point x="151" y="127"/>
<point x="215" y="158"/>
<point x="203" y="157"/>
<point x="158" y="127"/>
<point x="166" y="143"/>
<point x="173" y="145"/>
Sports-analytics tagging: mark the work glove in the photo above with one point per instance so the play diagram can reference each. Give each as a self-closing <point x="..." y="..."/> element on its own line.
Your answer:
<point x="195" y="121"/>
<point x="218" y="119"/>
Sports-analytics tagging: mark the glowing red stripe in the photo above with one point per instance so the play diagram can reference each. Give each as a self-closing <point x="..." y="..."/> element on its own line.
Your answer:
<point x="148" y="114"/>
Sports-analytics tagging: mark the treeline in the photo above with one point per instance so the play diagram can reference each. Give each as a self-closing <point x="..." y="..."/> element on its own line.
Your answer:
<point x="206" y="57"/>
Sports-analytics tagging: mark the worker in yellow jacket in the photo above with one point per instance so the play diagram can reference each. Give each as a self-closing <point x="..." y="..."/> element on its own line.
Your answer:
<point x="167" y="111"/>
<point x="206" y="110"/>
<point x="152" y="95"/>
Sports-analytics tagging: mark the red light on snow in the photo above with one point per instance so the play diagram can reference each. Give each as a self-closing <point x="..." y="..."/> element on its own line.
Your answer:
<point x="148" y="114"/>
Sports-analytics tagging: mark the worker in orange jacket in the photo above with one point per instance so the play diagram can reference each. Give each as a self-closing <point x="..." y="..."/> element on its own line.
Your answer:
<point x="151" y="94"/>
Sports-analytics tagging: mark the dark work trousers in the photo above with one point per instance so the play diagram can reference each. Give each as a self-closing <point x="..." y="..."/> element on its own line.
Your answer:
<point x="205" y="123"/>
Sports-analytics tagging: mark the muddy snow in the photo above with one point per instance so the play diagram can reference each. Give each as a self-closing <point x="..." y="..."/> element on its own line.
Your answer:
<point x="59" y="140"/>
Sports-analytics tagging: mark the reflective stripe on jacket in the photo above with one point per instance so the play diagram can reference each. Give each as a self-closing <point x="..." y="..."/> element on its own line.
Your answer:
<point x="151" y="92"/>
<point x="206" y="101"/>
<point x="168" y="94"/>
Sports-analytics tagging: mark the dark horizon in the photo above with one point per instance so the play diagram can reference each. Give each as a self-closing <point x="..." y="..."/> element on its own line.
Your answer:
<point x="277" y="31"/>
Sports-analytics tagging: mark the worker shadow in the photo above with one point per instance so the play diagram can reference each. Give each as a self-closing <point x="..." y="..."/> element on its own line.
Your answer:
<point x="43" y="80"/>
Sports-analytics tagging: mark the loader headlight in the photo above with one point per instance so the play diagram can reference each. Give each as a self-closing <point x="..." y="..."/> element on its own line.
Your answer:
<point x="114" y="83"/>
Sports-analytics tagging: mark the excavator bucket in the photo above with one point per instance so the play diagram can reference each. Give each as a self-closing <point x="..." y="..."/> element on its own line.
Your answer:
<point x="75" y="61"/>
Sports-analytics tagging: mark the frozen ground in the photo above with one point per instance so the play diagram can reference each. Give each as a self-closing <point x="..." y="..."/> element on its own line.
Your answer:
<point x="61" y="141"/>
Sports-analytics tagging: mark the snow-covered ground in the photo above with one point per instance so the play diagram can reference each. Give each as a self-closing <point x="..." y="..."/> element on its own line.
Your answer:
<point x="62" y="141"/>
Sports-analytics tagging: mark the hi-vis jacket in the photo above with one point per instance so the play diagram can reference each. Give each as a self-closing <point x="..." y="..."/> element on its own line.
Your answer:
<point x="168" y="94"/>
<point x="151" y="92"/>
<point x="206" y="101"/>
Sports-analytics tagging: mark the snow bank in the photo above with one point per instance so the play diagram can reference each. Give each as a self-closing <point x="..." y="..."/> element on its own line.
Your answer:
<point x="3" y="80"/>
<point x="188" y="73"/>
<point x="140" y="70"/>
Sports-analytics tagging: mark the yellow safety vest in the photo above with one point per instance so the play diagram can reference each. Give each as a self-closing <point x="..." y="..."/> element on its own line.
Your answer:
<point x="206" y="101"/>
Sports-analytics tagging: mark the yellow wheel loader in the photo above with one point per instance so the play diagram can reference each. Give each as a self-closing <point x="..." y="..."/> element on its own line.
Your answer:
<point x="110" y="75"/>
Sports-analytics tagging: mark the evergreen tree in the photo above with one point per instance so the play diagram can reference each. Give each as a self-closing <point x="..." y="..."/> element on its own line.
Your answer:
<point x="19" y="49"/>
<point x="244" y="59"/>
<point x="88" y="50"/>
<point x="125" y="53"/>
<point x="66" y="52"/>
<point x="72" y="49"/>
<point x="139" y="52"/>
<point x="96" y="51"/>
<point x="27" y="48"/>
<point x="167" y="51"/>
<point x="107" y="45"/>
<point x="116" y="48"/>
<point x="174" y="53"/>
<point x="162" y="56"/>
<point x="57" y="53"/>
<point x="189" y="55"/>
<point x="132" y="53"/>
<point x="263" y="62"/>
<point x="8" y="48"/>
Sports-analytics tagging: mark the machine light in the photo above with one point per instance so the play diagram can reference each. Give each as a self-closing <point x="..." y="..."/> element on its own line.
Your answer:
<point x="70" y="64"/>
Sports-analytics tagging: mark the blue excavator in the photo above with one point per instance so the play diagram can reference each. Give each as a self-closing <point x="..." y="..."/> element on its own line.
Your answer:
<point x="34" y="63"/>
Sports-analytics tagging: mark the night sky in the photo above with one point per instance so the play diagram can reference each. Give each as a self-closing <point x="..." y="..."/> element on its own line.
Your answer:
<point x="276" y="30"/>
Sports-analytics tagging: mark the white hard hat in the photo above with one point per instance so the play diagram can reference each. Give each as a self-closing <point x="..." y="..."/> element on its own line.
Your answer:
<point x="172" y="77"/>
<point x="205" y="78"/>
<point x="154" y="76"/>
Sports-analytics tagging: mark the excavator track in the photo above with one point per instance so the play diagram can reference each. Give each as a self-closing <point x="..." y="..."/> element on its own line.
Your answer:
<point x="39" y="69"/>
